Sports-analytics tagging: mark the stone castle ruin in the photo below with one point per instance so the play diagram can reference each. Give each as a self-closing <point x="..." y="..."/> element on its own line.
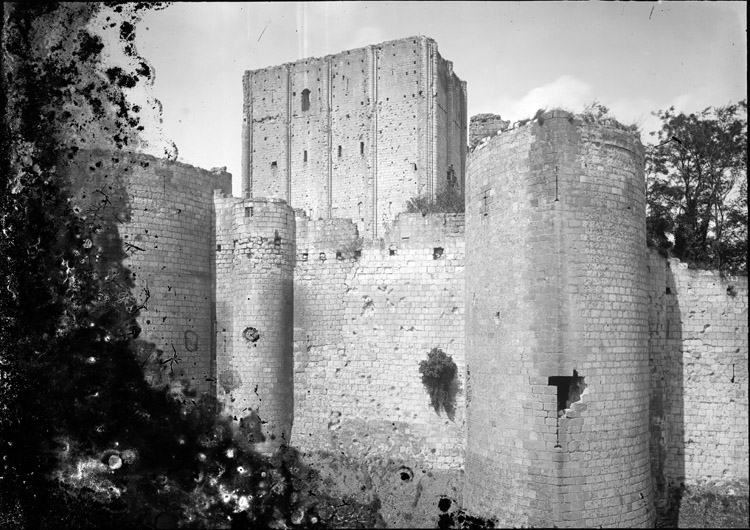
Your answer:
<point x="591" y="372"/>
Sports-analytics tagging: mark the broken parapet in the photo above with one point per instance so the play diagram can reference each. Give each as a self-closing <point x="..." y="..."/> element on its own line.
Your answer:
<point x="484" y="125"/>
<point x="255" y="249"/>
<point x="557" y="327"/>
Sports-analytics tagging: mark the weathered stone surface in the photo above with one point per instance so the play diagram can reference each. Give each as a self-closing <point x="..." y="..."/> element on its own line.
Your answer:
<point x="590" y="374"/>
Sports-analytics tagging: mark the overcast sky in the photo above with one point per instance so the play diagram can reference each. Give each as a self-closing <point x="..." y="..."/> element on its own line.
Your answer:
<point x="515" y="57"/>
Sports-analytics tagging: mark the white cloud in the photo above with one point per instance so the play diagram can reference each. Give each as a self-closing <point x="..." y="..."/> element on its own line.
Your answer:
<point x="566" y="91"/>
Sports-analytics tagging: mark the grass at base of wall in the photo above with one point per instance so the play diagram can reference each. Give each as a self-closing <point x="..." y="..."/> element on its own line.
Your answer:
<point x="716" y="504"/>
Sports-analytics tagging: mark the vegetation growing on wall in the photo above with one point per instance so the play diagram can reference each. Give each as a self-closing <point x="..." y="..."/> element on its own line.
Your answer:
<point x="697" y="187"/>
<point x="451" y="200"/>
<point x="438" y="375"/>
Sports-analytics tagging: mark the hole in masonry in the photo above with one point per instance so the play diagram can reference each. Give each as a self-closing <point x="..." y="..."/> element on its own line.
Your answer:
<point x="444" y="504"/>
<point x="276" y="238"/>
<point x="569" y="390"/>
<point x="250" y="334"/>
<point x="392" y="252"/>
<point x="437" y="252"/>
<point x="248" y="211"/>
<point x="669" y="291"/>
<point x="405" y="474"/>
<point x="338" y="255"/>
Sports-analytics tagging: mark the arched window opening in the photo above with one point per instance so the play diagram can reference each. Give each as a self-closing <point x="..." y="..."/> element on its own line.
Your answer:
<point x="305" y="100"/>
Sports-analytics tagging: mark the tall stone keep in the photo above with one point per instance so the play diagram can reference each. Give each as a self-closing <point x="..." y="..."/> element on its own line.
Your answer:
<point x="556" y="327"/>
<point x="357" y="134"/>
<point x="255" y="247"/>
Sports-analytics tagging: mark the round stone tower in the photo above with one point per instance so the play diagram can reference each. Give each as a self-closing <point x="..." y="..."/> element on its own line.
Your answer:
<point x="556" y="328"/>
<point x="255" y="248"/>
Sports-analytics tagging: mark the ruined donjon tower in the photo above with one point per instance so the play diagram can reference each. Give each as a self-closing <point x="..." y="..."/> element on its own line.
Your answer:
<point x="306" y="305"/>
<point x="357" y="134"/>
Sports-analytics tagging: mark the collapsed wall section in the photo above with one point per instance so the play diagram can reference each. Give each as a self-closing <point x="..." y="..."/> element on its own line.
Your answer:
<point x="366" y="314"/>
<point x="161" y="214"/>
<point x="556" y="329"/>
<point x="255" y="244"/>
<point x="699" y="374"/>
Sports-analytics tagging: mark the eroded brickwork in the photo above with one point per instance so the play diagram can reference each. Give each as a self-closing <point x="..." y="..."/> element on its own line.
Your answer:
<point x="364" y="319"/>
<point x="163" y="215"/>
<point x="483" y="125"/>
<point x="699" y="374"/>
<point x="556" y="292"/>
<point x="357" y="134"/>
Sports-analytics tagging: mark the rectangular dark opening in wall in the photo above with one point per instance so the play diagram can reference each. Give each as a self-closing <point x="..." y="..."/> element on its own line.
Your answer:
<point x="304" y="256"/>
<point x="437" y="252"/>
<point x="357" y="254"/>
<point x="304" y="156"/>
<point x="273" y="165"/>
<point x="276" y="238"/>
<point x="338" y="255"/>
<point x="569" y="390"/>
<point x="392" y="252"/>
<point x="414" y="166"/>
<point x="361" y="148"/>
<point x="218" y="248"/>
<point x="248" y="211"/>
<point x="339" y="151"/>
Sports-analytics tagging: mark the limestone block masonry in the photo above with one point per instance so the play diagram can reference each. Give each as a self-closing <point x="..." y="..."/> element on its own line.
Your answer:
<point x="355" y="135"/>
<point x="698" y="325"/>
<point x="557" y="312"/>
<point x="255" y="247"/>
<point x="592" y="375"/>
<point x="161" y="214"/>
<point x="365" y="315"/>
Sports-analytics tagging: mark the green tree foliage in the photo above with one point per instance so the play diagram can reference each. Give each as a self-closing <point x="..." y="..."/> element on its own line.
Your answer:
<point x="697" y="187"/>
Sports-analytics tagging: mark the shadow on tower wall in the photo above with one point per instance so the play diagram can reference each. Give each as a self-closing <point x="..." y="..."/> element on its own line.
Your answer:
<point x="667" y="403"/>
